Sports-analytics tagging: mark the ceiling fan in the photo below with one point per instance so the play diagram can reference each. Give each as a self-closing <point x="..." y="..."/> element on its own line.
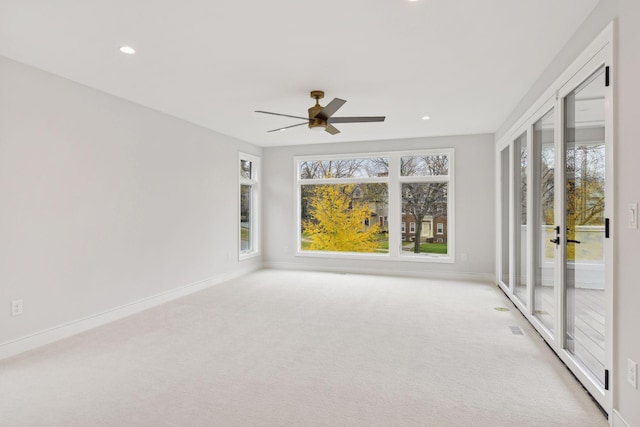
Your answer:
<point x="322" y="117"/>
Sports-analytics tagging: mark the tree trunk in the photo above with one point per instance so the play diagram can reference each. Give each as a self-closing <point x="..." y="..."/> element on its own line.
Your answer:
<point x="416" y="243"/>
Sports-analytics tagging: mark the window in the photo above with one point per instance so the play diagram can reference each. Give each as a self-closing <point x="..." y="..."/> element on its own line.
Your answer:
<point x="425" y="188"/>
<point x="343" y="205"/>
<point x="248" y="221"/>
<point x="359" y="205"/>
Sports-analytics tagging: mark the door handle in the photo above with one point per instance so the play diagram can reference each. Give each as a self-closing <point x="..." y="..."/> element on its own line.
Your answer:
<point x="573" y="241"/>
<point x="557" y="239"/>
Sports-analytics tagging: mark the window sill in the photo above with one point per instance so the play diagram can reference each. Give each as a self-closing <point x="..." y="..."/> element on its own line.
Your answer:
<point x="439" y="259"/>
<point x="248" y="255"/>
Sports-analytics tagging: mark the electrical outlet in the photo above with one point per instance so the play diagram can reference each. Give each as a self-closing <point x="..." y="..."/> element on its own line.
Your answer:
<point x="633" y="215"/>
<point x="632" y="373"/>
<point x="16" y="307"/>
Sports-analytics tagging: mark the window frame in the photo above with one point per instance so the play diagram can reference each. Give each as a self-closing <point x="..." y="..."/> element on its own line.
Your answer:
<point x="394" y="180"/>
<point x="254" y="183"/>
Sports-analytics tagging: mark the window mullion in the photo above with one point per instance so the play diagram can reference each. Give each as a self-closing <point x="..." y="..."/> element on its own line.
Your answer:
<point x="418" y="179"/>
<point x="394" y="211"/>
<point x="330" y="181"/>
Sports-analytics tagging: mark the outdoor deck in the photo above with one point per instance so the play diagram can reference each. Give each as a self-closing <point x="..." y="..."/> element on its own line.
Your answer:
<point x="586" y="332"/>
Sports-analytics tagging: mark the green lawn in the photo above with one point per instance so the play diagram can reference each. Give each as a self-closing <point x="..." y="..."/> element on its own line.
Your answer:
<point x="428" y="248"/>
<point x="383" y="246"/>
<point x="383" y="242"/>
<point x="433" y="248"/>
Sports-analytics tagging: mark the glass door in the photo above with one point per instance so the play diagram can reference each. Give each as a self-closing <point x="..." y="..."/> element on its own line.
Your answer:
<point x="585" y="162"/>
<point x="556" y="193"/>
<point x="546" y="235"/>
<point x="505" y="239"/>
<point x="520" y="220"/>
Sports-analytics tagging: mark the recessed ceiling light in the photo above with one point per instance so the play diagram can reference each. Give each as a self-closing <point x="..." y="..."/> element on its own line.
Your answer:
<point x="128" y="50"/>
<point x="424" y="117"/>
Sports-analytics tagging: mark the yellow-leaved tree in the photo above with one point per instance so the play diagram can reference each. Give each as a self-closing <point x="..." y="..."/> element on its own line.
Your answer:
<point x="338" y="222"/>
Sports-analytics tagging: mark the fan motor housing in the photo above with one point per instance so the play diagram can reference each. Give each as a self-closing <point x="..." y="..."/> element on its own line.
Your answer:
<point x="313" y="122"/>
<point x="313" y="111"/>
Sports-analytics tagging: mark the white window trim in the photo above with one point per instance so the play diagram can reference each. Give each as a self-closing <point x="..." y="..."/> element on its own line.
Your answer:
<point x="254" y="182"/>
<point x="439" y="228"/>
<point x="394" y="181"/>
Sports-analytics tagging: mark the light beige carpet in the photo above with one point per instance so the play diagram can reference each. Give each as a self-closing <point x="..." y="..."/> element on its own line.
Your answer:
<point x="280" y="348"/>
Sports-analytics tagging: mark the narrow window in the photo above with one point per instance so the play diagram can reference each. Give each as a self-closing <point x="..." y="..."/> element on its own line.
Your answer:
<point x="248" y="221"/>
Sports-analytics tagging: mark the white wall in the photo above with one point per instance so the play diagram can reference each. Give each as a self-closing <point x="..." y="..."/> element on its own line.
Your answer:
<point x="626" y="316"/>
<point x="627" y="270"/>
<point x="104" y="202"/>
<point x="474" y="208"/>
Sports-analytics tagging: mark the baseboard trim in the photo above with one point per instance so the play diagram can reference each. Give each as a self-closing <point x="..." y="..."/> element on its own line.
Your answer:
<point x="618" y="421"/>
<point x="424" y="274"/>
<point x="48" y="336"/>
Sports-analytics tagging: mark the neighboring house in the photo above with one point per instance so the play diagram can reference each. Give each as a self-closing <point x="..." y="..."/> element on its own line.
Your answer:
<point x="440" y="230"/>
<point x="434" y="228"/>
<point x="377" y="205"/>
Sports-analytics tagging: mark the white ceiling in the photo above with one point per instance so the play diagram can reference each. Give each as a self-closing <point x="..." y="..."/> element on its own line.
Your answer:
<point x="464" y="63"/>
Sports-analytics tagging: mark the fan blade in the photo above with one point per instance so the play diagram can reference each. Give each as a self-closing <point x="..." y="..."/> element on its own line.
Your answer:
<point x="355" y="119"/>
<point x="287" y="127"/>
<point x="330" y="109"/>
<point x="331" y="129"/>
<point x="283" y="115"/>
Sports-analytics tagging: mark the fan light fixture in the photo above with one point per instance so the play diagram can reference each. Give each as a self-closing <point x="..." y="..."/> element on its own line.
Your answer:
<point x="128" y="50"/>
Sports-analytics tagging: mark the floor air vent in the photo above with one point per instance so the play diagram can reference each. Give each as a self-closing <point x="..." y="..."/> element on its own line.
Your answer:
<point x="515" y="330"/>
